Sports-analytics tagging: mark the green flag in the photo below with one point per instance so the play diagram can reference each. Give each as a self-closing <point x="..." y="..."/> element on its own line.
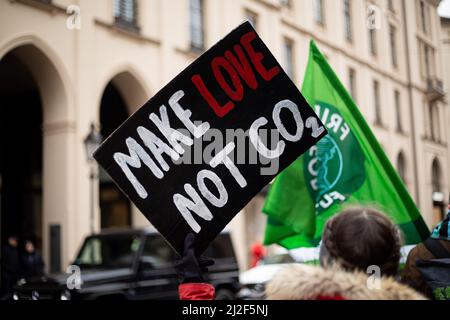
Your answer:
<point x="346" y="167"/>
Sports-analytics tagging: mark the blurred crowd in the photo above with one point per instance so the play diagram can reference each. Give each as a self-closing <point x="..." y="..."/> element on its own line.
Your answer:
<point x="18" y="262"/>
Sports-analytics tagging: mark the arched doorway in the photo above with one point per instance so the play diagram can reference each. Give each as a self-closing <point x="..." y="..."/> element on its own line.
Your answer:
<point x="124" y="94"/>
<point x="115" y="208"/>
<point x="437" y="193"/>
<point x="37" y="149"/>
<point x="21" y="152"/>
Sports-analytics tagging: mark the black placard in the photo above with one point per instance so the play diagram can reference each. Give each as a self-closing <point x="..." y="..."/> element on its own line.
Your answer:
<point x="235" y="85"/>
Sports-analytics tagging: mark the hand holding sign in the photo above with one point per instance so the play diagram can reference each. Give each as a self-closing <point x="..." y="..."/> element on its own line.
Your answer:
<point x="236" y="85"/>
<point x="190" y="267"/>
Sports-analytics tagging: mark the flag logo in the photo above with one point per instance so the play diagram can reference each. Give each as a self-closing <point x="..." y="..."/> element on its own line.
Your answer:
<point x="334" y="167"/>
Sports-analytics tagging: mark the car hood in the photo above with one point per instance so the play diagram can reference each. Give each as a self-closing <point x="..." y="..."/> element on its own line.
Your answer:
<point x="260" y="274"/>
<point x="88" y="276"/>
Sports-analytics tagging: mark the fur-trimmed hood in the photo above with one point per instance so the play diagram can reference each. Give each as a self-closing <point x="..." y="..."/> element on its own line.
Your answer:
<point x="306" y="282"/>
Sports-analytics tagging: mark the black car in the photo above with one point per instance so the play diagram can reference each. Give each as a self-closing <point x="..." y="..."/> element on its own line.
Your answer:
<point x="130" y="265"/>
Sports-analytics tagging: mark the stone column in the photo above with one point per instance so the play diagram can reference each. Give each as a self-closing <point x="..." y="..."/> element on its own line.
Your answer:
<point x="59" y="205"/>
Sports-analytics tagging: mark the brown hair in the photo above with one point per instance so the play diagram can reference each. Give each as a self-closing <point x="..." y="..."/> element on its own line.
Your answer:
<point x="360" y="237"/>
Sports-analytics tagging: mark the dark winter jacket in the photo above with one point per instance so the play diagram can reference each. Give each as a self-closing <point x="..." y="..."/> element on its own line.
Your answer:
<point x="411" y="274"/>
<point x="10" y="261"/>
<point x="32" y="264"/>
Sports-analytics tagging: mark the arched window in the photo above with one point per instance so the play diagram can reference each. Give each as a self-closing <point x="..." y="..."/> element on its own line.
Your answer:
<point x="401" y="166"/>
<point x="436" y="176"/>
<point x="115" y="208"/>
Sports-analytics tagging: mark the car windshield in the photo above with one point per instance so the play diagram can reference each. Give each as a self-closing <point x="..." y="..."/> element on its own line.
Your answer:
<point x="220" y="248"/>
<point x="109" y="252"/>
<point x="279" y="258"/>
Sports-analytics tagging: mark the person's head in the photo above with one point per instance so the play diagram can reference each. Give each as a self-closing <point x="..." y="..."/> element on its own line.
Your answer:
<point x="361" y="237"/>
<point x="12" y="241"/>
<point x="29" y="247"/>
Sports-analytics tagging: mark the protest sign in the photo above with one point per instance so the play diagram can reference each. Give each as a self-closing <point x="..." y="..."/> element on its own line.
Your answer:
<point x="236" y="85"/>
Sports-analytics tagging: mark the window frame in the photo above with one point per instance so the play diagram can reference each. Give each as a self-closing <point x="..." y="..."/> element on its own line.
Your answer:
<point x="377" y="102"/>
<point x="435" y="127"/>
<point x="373" y="47"/>
<point x="391" y="5"/>
<point x="401" y="166"/>
<point x="120" y="15"/>
<point x="196" y="10"/>
<point x="352" y="83"/>
<point x="289" y="61"/>
<point x="252" y="17"/>
<point x="348" y="23"/>
<point x="398" y="111"/>
<point x="319" y="12"/>
<point x="393" y="44"/>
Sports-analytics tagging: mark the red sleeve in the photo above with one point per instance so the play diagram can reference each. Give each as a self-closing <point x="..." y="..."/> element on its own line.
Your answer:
<point x="196" y="291"/>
